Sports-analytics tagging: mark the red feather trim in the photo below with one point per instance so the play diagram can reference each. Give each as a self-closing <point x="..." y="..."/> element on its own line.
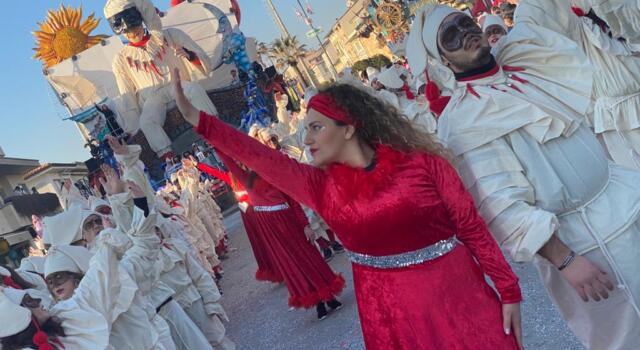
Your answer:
<point x="353" y="183"/>
<point x="326" y="294"/>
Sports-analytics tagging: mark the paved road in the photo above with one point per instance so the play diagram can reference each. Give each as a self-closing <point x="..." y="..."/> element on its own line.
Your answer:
<point x="260" y="318"/>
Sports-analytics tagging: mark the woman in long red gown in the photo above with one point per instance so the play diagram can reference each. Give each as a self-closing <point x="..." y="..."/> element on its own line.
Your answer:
<point x="418" y="247"/>
<point x="267" y="269"/>
<point x="280" y="223"/>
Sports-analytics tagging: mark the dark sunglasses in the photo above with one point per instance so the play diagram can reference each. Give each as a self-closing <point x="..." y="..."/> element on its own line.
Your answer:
<point x="57" y="279"/>
<point x="453" y="32"/>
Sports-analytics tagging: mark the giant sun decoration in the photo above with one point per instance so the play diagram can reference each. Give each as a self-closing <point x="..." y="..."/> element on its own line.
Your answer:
<point x="62" y="35"/>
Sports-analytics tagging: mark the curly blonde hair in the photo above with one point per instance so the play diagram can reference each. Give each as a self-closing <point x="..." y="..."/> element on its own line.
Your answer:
<point x="381" y="123"/>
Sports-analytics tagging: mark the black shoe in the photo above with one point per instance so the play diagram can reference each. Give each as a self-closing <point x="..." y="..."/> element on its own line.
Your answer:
<point x="322" y="311"/>
<point x="327" y="253"/>
<point x="334" y="305"/>
<point x="337" y="247"/>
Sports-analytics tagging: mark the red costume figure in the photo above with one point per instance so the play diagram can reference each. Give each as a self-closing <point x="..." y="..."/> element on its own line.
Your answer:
<point x="280" y="222"/>
<point x="267" y="269"/>
<point x="418" y="247"/>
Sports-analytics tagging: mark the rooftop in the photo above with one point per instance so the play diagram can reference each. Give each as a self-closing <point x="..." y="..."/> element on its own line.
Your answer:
<point x="46" y="166"/>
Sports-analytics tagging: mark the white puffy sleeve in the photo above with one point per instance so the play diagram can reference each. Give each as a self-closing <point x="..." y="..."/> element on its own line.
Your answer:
<point x="601" y="40"/>
<point x="505" y="199"/>
<point x="127" y="103"/>
<point x="134" y="171"/>
<point x="104" y="287"/>
<point x="181" y="39"/>
<point x="140" y="261"/>
<point x="622" y="16"/>
<point x="204" y="284"/>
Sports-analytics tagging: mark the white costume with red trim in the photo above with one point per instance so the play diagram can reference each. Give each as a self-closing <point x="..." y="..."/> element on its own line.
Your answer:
<point x="535" y="170"/>
<point x="142" y="72"/>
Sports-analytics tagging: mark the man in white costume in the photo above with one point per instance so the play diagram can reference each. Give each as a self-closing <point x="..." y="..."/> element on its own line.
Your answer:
<point x="142" y="69"/>
<point x="616" y="70"/>
<point x="539" y="176"/>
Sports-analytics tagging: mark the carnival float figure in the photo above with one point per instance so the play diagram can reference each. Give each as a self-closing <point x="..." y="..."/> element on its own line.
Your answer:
<point x="142" y="70"/>
<point x="234" y="43"/>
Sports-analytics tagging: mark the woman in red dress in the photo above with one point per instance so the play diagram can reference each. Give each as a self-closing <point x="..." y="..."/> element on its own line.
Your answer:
<point x="267" y="269"/>
<point x="418" y="247"/>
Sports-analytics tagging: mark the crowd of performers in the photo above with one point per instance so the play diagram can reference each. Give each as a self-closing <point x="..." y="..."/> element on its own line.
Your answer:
<point x="521" y="136"/>
<point x="133" y="269"/>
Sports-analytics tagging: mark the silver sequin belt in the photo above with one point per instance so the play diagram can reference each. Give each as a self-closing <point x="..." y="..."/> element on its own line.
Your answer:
<point x="278" y="207"/>
<point x="415" y="257"/>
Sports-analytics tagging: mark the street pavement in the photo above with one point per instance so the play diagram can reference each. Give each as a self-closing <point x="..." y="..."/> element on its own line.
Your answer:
<point x="261" y="319"/>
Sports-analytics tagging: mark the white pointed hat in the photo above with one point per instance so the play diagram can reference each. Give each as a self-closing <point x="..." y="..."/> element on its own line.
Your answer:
<point x="390" y="78"/>
<point x="372" y="73"/>
<point x="422" y="46"/>
<point x="32" y="264"/>
<point x="17" y="295"/>
<point x="95" y="203"/>
<point x="487" y="21"/>
<point x="67" y="258"/>
<point x="13" y="318"/>
<point x="64" y="228"/>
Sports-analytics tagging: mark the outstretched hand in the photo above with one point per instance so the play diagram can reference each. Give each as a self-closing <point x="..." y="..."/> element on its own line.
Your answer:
<point x="117" y="146"/>
<point x="135" y="189"/>
<point x="111" y="183"/>
<point x="189" y="112"/>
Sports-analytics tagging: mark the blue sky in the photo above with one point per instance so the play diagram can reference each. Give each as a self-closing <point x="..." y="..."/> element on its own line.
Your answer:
<point x="31" y="124"/>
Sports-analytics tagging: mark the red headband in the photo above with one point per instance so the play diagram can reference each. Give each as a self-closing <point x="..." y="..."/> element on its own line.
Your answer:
<point x="324" y="104"/>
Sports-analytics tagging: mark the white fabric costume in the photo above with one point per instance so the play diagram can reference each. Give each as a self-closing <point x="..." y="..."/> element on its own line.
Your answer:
<point x="616" y="83"/>
<point x="196" y="292"/>
<point x="143" y="75"/>
<point x="108" y="292"/>
<point x="622" y="16"/>
<point x="283" y="126"/>
<point x="535" y="170"/>
<point x="192" y="214"/>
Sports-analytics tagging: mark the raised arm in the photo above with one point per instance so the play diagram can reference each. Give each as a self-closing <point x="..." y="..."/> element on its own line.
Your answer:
<point x="240" y="174"/>
<point x="304" y="183"/>
<point x="217" y="173"/>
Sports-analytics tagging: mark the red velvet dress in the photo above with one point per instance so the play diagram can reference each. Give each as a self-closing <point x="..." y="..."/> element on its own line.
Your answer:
<point x="407" y="202"/>
<point x="267" y="269"/>
<point x="308" y="278"/>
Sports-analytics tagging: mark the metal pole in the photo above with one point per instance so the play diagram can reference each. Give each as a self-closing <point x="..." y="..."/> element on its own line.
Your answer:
<point x="285" y="34"/>
<point x="332" y="67"/>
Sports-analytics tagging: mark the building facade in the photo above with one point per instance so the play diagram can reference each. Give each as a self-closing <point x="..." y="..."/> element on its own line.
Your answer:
<point x="345" y="44"/>
<point x="18" y="178"/>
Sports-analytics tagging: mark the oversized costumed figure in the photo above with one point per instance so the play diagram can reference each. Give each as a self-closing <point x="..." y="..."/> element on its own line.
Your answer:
<point x="616" y="70"/>
<point x="142" y="69"/>
<point x="516" y="127"/>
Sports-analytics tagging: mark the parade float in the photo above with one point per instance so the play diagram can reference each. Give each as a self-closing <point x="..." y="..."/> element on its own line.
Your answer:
<point x="79" y="66"/>
<point x="389" y="20"/>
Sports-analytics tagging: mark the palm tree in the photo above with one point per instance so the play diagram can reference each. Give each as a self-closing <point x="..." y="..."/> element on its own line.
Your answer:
<point x="292" y="52"/>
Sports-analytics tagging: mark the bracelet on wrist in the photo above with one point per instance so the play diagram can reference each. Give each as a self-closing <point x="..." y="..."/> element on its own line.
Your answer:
<point x="567" y="260"/>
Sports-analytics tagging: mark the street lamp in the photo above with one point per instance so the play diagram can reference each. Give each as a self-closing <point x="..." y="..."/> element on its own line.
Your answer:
<point x="332" y="67"/>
